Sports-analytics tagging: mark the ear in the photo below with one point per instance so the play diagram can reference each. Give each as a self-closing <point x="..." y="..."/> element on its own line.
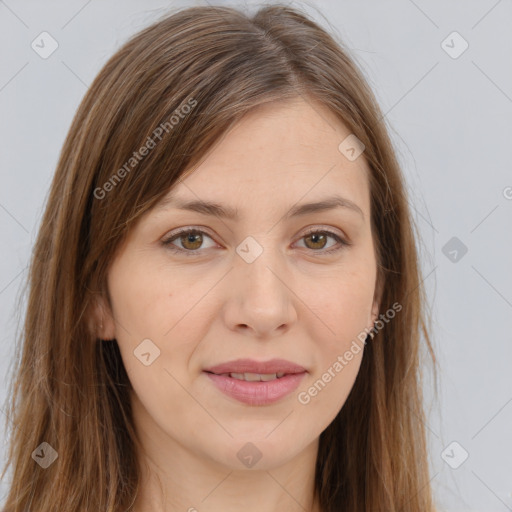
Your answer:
<point x="101" y="320"/>
<point x="377" y="300"/>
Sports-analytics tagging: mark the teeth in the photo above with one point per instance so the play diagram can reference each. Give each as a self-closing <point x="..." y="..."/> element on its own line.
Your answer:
<point x="267" y="376"/>
<point x="255" y="377"/>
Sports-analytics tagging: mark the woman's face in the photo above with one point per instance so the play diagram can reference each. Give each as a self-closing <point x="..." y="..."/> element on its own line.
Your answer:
<point x="257" y="286"/>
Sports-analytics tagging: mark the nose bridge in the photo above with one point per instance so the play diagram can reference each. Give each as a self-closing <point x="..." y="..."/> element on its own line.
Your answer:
<point x="258" y="263"/>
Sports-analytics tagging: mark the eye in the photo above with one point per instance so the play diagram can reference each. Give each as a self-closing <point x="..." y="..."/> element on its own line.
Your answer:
<point x="319" y="238"/>
<point x="191" y="240"/>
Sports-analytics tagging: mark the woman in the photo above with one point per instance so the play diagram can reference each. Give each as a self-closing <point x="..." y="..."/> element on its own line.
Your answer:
<point x="225" y="304"/>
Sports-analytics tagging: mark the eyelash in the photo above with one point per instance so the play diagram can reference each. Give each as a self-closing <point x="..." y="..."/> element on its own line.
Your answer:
<point x="168" y="242"/>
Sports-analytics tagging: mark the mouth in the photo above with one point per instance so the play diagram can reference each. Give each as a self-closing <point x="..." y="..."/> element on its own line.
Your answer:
<point x="256" y="383"/>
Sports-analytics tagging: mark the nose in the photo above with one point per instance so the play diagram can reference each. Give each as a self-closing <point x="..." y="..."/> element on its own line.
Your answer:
<point x="260" y="297"/>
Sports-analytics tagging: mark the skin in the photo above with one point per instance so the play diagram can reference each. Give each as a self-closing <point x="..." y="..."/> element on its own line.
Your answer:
<point x="294" y="302"/>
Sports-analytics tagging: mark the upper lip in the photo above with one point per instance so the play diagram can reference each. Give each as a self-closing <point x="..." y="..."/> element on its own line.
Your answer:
<point x="252" y="366"/>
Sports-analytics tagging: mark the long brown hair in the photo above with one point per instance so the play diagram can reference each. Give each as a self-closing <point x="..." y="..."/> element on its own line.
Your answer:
<point x="70" y="389"/>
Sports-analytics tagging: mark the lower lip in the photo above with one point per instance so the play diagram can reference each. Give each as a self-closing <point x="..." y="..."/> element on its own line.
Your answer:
<point x="257" y="393"/>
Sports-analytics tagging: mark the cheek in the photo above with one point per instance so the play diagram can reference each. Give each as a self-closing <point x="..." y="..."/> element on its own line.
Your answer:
<point x="154" y="315"/>
<point x="150" y="321"/>
<point x="341" y="310"/>
<point x="142" y="299"/>
<point x="341" y="303"/>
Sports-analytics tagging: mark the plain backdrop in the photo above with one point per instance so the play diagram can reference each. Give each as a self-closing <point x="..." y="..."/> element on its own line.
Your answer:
<point x="442" y="74"/>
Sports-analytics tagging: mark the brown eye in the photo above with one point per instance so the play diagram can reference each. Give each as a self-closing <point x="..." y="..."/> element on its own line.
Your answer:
<point x="187" y="241"/>
<point x="318" y="240"/>
<point x="191" y="240"/>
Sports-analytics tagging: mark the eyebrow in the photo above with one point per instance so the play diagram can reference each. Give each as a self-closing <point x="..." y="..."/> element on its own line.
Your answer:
<point x="218" y="210"/>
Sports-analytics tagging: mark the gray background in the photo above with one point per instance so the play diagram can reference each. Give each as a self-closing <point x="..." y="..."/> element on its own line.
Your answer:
<point x="450" y="119"/>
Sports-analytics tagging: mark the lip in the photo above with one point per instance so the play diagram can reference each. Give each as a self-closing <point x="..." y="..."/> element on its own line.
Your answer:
<point x="252" y="366"/>
<point x="259" y="392"/>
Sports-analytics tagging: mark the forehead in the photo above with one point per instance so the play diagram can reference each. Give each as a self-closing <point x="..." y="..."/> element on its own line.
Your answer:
<point x="280" y="152"/>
